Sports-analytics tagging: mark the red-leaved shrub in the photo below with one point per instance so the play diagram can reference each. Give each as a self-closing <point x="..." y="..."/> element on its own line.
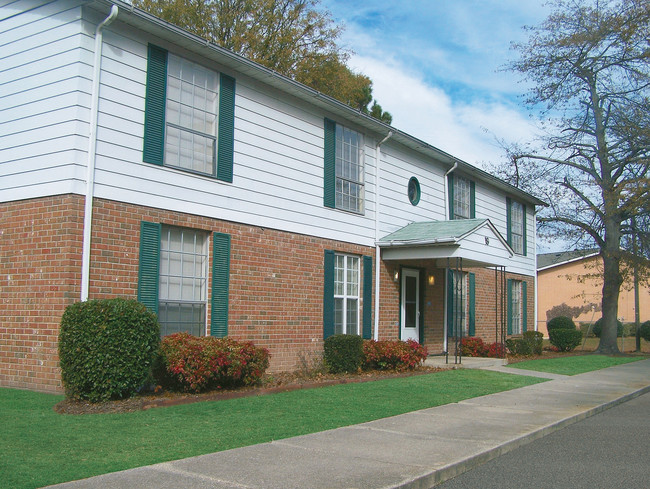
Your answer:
<point x="393" y="355"/>
<point x="472" y="346"/>
<point x="193" y="363"/>
<point x="496" y="350"/>
<point x="475" y="347"/>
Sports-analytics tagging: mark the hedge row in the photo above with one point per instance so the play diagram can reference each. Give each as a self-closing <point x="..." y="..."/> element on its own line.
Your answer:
<point x="350" y="353"/>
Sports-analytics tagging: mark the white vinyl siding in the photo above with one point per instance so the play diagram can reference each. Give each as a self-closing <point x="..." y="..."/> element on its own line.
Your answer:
<point x="45" y="65"/>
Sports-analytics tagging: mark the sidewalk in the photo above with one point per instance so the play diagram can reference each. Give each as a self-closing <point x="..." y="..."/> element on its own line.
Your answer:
<point x="413" y="450"/>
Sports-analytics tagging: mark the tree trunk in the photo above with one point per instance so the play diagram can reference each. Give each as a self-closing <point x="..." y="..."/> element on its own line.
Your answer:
<point x="611" y="288"/>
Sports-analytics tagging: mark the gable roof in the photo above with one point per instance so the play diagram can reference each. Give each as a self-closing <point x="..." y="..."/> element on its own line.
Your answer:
<point x="146" y="22"/>
<point x="476" y="241"/>
<point x="433" y="232"/>
<point x="550" y="260"/>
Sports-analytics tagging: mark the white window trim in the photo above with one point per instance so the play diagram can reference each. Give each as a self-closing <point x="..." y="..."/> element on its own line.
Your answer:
<point x="190" y="130"/>
<point x="516" y="306"/>
<point x="206" y="268"/>
<point x="362" y="171"/>
<point x="345" y="297"/>
<point x="466" y="201"/>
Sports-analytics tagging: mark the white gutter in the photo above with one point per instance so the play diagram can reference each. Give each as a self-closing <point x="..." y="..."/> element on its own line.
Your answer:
<point x="377" y="249"/>
<point x="446" y="184"/>
<point x="92" y="147"/>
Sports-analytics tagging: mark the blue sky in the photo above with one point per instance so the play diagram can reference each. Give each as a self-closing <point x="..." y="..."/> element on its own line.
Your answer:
<point x="435" y="67"/>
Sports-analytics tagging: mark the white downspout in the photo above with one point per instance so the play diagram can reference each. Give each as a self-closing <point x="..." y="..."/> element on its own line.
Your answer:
<point x="92" y="147"/>
<point x="446" y="185"/>
<point x="447" y="216"/>
<point x="377" y="212"/>
<point x="535" y="276"/>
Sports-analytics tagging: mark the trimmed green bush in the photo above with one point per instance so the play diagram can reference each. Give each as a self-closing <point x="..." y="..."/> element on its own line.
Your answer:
<point x="645" y="331"/>
<point x="198" y="363"/>
<point x="107" y="348"/>
<point x="560" y="322"/>
<point x="393" y="355"/>
<point x="598" y="328"/>
<point x="565" y="339"/>
<point x="530" y="343"/>
<point x="343" y="353"/>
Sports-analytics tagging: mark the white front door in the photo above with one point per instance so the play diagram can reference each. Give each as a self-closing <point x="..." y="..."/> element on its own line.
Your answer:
<point x="410" y="307"/>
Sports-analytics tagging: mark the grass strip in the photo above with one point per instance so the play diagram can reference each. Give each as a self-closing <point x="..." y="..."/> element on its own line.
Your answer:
<point x="574" y="365"/>
<point x="41" y="447"/>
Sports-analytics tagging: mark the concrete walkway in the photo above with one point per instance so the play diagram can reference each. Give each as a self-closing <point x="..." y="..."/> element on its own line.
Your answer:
<point x="413" y="450"/>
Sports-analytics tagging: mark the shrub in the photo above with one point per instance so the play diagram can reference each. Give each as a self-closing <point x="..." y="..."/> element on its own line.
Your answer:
<point x="535" y="340"/>
<point x="584" y="328"/>
<point x="645" y="331"/>
<point x="393" y="355"/>
<point x="560" y="322"/>
<point x="472" y="346"/>
<point x="496" y="350"/>
<point x="565" y="339"/>
<point x="598" y="328"/>
<point x="343" y="353"/>
<point x="197" y="363"/>
<point x="107" y="348"/>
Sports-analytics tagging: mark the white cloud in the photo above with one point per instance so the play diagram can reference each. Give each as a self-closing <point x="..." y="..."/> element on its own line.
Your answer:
<point x="467" y="131"/>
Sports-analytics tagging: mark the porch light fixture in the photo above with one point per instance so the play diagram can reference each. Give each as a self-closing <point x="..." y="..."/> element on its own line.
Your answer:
<point x="396" y="276"/>
<point x="432" y="279"/>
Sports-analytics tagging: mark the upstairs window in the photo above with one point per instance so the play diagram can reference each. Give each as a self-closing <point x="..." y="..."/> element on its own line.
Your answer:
<point x="462" y="199"/>
<point x="344" y="168"/>
<point x="516" y="222"/>
<point x="189" y="116"/>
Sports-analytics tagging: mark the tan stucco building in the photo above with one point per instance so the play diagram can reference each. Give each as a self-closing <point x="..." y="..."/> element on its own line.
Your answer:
<point x="568" y="285"/>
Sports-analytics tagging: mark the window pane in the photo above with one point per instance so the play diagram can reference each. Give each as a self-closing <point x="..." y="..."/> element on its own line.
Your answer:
<point x="346" y="294"/>
<point x="352" y="321"/>
<point x="182" y="281"/>
<point x="191" y="116"/>
<point x="349" y="170"/>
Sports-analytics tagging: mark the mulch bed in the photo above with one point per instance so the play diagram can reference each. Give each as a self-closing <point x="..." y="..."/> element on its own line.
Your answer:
<point x="281" y="382"/>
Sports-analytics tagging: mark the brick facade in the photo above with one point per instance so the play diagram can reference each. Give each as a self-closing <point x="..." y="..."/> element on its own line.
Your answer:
<point x="276" y="283"/>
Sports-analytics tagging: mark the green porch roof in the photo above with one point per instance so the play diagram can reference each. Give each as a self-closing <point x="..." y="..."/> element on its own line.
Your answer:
<point x="432" y="231"/>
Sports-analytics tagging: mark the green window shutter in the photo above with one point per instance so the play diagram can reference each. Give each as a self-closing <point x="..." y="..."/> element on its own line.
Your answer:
<point x="154" y="106"/>
<point x="450" y="303"/>
<point x="450" y="188"/>
<point x="328" y="295"/>
<point x="524" y="307"/>
<point x="220" y="284"/>
<point x="509" y="221"/>
<point x="472" y="304"/>
<point x="472" y="199"/>
<point x="525" y="241"/>
<point x="149" y="265"/>
<point x="367" y="297"/>
<point x="509" y="301"/>
<point x="329" y="165"/>
<point x="226" y="137"/>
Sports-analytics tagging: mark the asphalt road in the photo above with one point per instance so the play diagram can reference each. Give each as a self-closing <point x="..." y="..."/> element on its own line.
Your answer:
<point x="608" y="450"/>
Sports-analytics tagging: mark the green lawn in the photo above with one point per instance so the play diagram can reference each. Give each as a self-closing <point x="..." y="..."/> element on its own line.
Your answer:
<point x="40" y="447"/>
<point x="573" y="365"/>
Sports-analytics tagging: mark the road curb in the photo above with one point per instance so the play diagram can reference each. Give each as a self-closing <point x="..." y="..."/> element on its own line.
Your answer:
<point x="452" y="470"/>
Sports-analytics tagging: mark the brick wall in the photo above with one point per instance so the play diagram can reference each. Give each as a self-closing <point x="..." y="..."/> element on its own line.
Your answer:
<point x="40" y="266"/>
<point x="276" y="283"/>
